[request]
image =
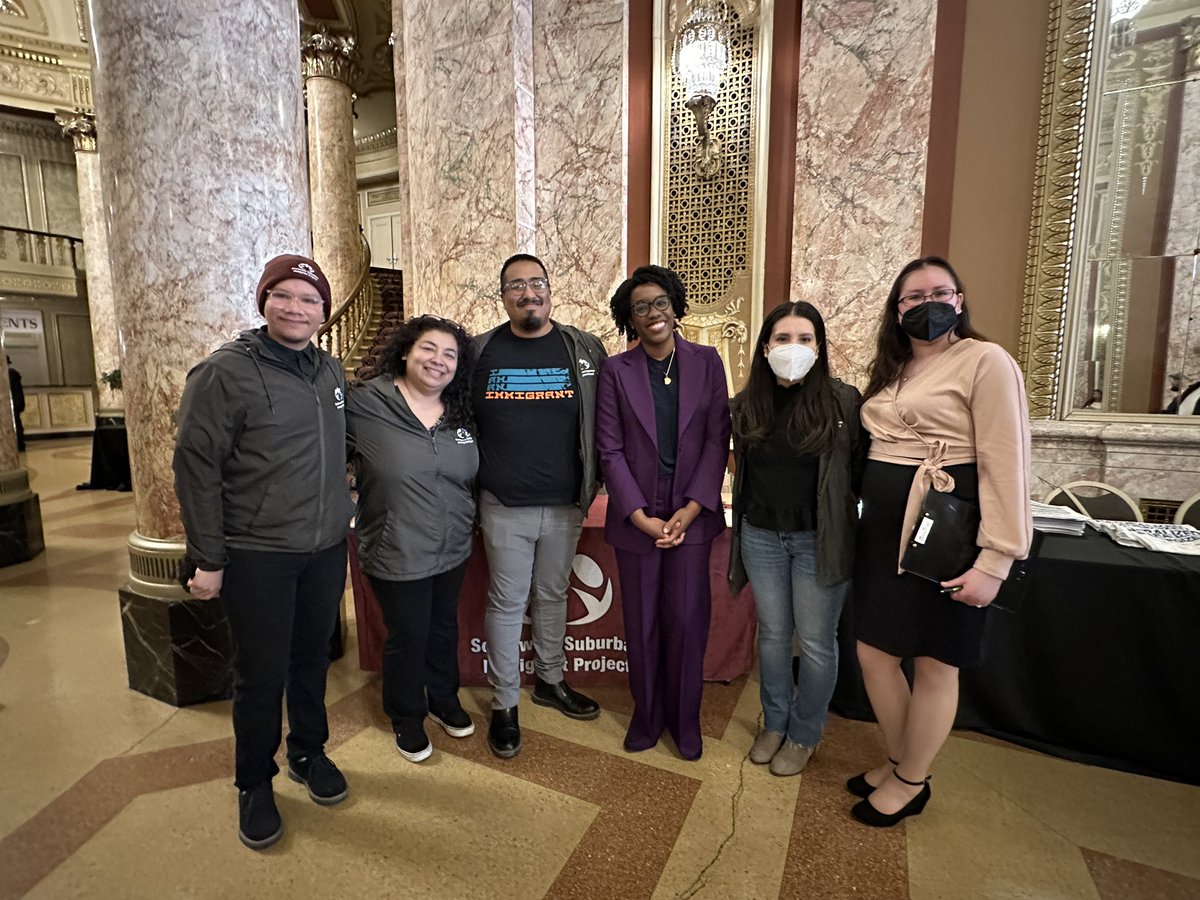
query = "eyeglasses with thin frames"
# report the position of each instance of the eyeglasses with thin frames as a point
(940, 295)
(285, 298)
(518, 285)
(642, 308)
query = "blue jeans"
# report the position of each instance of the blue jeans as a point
(783, 575)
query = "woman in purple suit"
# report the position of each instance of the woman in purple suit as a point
(662, 430)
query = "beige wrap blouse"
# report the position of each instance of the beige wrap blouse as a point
(967, 405)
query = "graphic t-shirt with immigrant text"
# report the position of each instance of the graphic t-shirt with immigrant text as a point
(527, 413)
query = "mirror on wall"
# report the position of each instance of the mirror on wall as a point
(1133, 307)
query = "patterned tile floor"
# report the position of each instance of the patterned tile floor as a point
(106, 793)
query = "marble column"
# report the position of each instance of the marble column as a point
(511, 125)
(20, 509)
(330, 69)
(1183, 330)
(862, 136)
(403, 170)
(201, 143)
(106, 348)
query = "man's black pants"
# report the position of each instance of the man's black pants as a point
(281, 609)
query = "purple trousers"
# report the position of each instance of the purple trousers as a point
(667, 604)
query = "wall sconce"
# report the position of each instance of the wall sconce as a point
(700, 53)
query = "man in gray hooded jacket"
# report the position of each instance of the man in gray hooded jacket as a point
(260, 465)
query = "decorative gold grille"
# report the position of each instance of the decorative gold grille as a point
(708, 222)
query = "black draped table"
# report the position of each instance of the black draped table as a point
(1100, 665)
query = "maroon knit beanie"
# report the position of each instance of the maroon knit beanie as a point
(281, 268)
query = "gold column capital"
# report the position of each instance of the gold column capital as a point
(80, 127)
(328, 55)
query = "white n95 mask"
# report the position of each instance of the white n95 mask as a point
(791, 362)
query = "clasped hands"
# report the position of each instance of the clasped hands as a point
(667, 533)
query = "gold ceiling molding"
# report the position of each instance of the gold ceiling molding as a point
(1055, 200)
(43, 75)
(23, 15)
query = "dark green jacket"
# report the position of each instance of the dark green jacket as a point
(839, 476)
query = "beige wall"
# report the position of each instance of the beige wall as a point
(1003, 60)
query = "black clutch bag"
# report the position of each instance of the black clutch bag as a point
(942, 545)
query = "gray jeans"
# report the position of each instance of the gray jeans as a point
(529, 550)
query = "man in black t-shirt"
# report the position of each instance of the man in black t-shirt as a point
(534, 399)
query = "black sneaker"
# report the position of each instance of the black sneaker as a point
(413, 744)
(455, 723)
(259, 825)
(326, 785)
(568, 702)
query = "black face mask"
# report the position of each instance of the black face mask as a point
(929, 321)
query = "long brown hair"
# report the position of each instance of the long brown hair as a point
(893, 348)
(814, 414)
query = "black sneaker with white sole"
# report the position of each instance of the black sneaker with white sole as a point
(413, 744)
(326, 784)
(259, 824)
(455, 723)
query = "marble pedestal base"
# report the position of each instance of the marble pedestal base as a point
(20, 530)
(177, 651)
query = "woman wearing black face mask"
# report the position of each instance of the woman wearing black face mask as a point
(946, 411)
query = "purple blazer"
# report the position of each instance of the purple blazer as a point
(627, 440)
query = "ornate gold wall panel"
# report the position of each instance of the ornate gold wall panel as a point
(1055, 199)
(707, 226)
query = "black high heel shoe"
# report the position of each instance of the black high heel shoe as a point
(869, 815)
(860, 787)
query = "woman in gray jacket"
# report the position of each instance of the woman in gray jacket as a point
(411, 441)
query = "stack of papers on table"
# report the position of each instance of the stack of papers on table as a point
(1057, 519)
(1164, 538)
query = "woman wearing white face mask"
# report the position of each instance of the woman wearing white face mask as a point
(799, 452)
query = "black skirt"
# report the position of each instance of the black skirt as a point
(905, 615)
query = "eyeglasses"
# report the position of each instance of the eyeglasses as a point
(642, 308)
(941, 295)
(518, 285)
(284, 298)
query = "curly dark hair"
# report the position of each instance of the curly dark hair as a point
(893, 348)
(456, 396)
(621, 302)
(815, 414)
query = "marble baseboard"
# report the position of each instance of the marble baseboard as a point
(177, 651)
(21, 530)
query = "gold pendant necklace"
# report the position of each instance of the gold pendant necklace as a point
(667, 374)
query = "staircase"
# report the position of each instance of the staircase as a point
(385, 319)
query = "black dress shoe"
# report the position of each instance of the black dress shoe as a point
(869, 815)
(504, 734)
(566, 701)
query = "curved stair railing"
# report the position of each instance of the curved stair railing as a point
(342, 335)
